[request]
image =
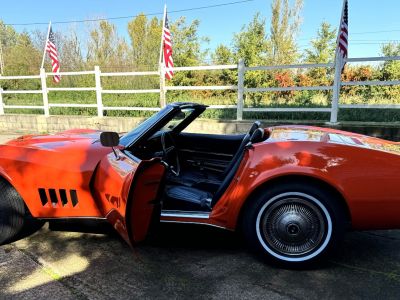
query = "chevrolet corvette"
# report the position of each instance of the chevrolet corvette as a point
(292, 191)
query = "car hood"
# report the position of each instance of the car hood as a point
(333, 136)
(67, 151)
(60, 141)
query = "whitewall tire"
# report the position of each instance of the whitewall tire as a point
(294, 225)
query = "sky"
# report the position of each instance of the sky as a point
(371, 22)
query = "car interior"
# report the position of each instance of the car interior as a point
(200, 166)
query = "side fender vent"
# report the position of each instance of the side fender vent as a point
(74, 197)
(63, 196)
(43, 196)
(55, 198)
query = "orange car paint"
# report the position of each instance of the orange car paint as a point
(128, 209)
(65, 161)
(364, 170)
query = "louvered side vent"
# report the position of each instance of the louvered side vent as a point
(62, 195)
(43, 196)
(74, 197)
(53, 197)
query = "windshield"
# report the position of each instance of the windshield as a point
(133, 135)
(178, 118)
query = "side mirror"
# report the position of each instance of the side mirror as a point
(109, 139)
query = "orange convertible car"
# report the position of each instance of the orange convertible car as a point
(292, 190)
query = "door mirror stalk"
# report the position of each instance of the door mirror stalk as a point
(110, 139)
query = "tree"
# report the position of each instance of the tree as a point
(145, 36)
(251, 43)
(222, 55)
(70, 50)
(187, 44)
(322, 51)
(323, 46)
(391, 69)
(105, 46)
(8, 35)
(285, 23)
(8, 39)
(22, 58)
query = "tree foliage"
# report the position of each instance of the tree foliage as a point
(251, 43)
(105, 47)
(323, 46)
(144, 36)
(285, 24)
(258, 43)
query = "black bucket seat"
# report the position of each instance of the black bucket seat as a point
(196, 177)
(186, 197)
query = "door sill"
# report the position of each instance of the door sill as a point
(185, 214)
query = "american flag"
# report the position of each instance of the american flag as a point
(343, 35)
(52, 50)
(168, 61)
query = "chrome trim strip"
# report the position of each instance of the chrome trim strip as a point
(185, 214)
(131, 156)
(195, 223)
(73, 218)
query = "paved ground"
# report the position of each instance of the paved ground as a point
(188, 261)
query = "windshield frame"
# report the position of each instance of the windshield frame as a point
(157, 121)
(138, 132)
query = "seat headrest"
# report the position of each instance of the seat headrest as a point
(255, 126)
(257, 136)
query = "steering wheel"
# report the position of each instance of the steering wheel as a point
(169, 151)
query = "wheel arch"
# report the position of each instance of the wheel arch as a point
(5, 178)
(310, 180)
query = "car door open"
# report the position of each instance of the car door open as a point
(127, 193)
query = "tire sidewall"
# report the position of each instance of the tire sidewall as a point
(12, 213)
(325, 202)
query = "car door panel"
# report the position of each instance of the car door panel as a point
(121, 187)
(145, 196)
(212, 151)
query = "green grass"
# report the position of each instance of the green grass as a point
(298, 99)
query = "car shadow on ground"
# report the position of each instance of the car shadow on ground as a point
(183, 261)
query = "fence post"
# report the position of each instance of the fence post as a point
(240, 86)
(163, 101)
(1, 102)
(336, 90)
(44, 92)
(99, 99)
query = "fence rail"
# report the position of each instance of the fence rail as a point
(240, 88)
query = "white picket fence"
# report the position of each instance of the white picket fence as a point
(240, 88)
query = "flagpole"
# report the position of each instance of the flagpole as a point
(45, 44)
(162, 41)
(338, 73)
(339, 29)
(1, 58)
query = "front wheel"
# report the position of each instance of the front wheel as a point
(294, 225)
(15, 219)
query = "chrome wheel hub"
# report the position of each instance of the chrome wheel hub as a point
(293, 226)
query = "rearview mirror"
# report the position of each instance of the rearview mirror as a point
(109, 139)
(180, 116)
